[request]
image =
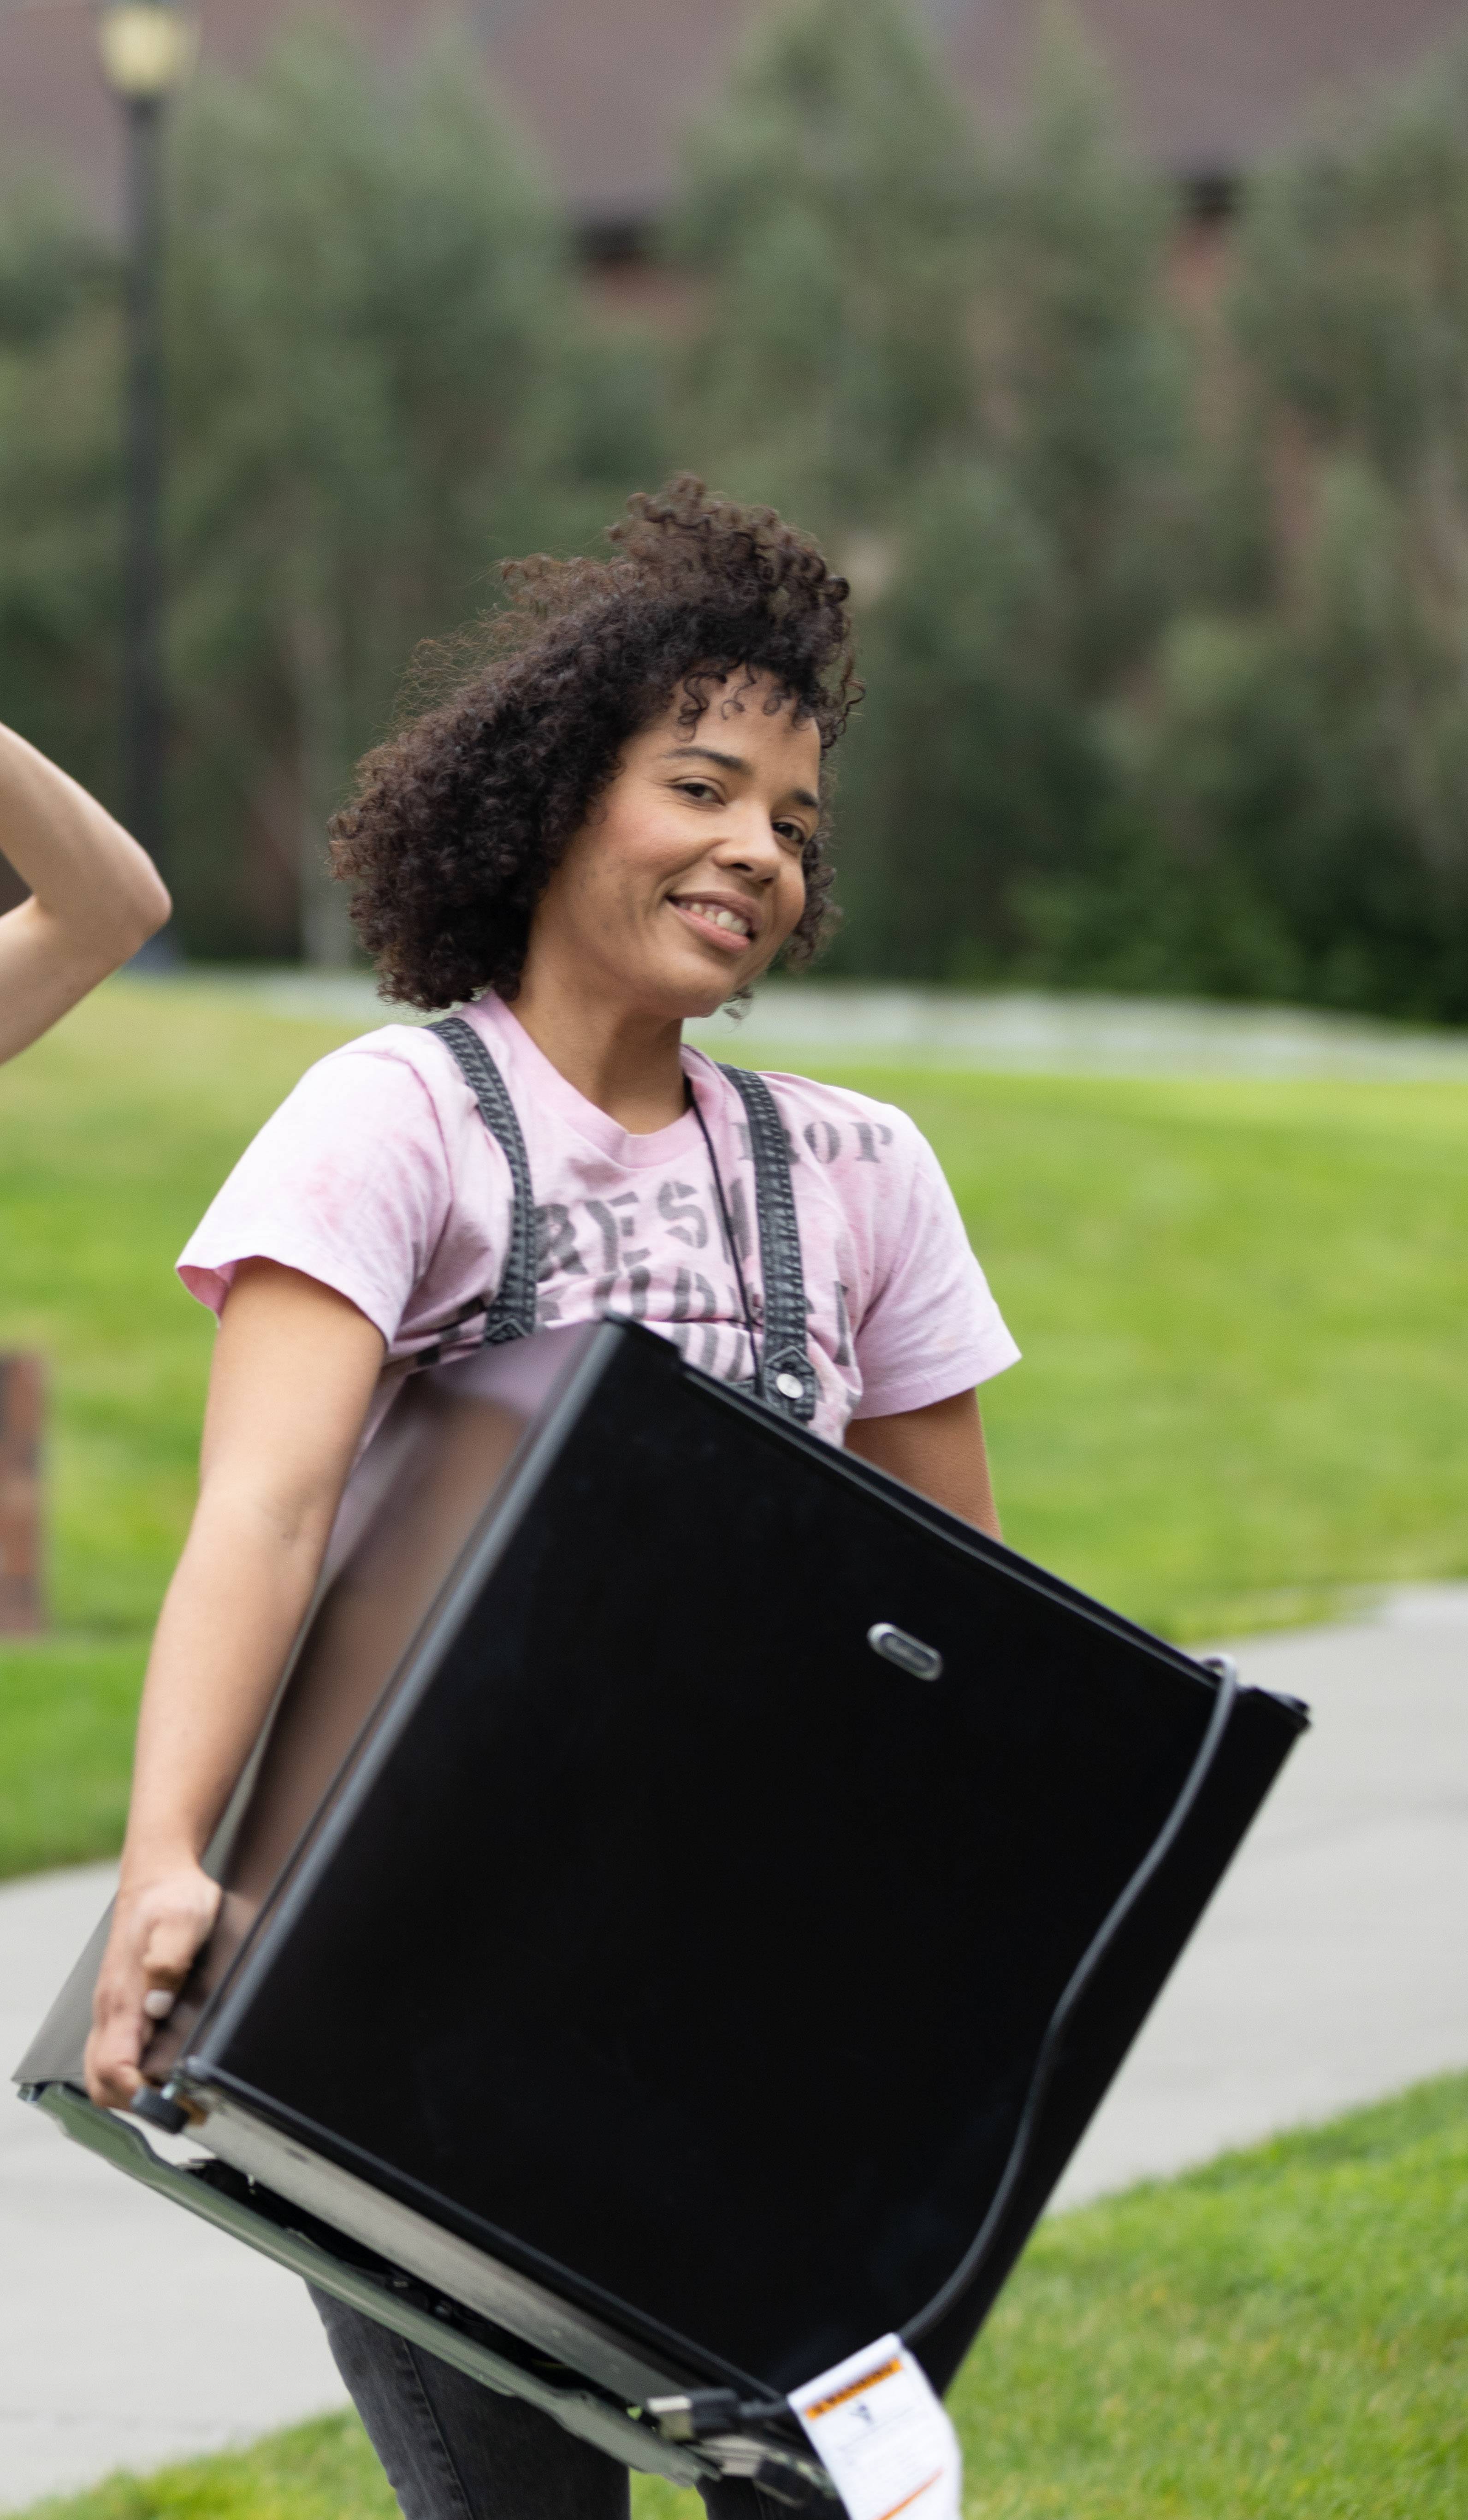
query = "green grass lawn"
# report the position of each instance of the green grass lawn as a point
(1282, 2333)
(1242, 1307)
(113, 1132)
(1244, 1312)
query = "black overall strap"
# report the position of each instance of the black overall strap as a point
(785, 1379)
(510, 1313)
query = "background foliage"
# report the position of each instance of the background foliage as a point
(1210, 1429)
(1164, 605)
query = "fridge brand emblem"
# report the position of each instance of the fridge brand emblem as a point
(909, 1653)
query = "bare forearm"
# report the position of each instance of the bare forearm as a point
(293, 1374)
(228, 1624)
(95, 896)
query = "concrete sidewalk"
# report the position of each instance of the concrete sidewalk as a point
(1332, 1969)
(130, 2333)
(1070, 1032)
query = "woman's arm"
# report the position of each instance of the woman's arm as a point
(95, 896)
(293, 1374)
(939, 1451)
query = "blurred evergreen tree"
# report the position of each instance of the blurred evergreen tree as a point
(1084, 365)
(1167, 653)
(831, 206)
(381, 378)
(380, 381)
(60, 512)
(1352, 311)
(1298, 821)
(1220, 746)
(974, 767)
(1033, 573)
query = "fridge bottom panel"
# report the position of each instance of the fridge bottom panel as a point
(409, 2239)
(264, 2224)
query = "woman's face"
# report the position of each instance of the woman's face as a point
(687, 879)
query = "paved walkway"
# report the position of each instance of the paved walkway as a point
(130, 2333)
(1071, 1033)
(1332, 1969)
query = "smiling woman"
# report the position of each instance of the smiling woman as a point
(459, 820)
(612, 823)
(679, 888)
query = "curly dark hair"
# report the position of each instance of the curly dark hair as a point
(458, 820)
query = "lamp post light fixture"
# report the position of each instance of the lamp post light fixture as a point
(148, 50)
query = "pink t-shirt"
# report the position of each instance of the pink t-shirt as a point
(377, 1175)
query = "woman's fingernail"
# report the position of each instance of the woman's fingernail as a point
(157, 2004)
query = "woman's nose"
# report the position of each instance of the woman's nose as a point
(751, 843)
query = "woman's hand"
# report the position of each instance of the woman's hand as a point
(158, 1928)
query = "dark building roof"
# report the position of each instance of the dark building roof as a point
(608, 87)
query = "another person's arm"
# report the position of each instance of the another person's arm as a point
(293, 1373)
(939, 1451)
(95, 896)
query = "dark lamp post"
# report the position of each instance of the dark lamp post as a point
(148, 50)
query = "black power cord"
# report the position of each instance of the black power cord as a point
(1080, 1978)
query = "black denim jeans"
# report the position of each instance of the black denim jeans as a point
(454, 2450)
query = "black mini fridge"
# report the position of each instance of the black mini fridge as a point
(688, 1902)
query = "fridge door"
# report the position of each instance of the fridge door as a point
(676, 1940)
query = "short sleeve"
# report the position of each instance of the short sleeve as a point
(348, 1182)
(932, 1328)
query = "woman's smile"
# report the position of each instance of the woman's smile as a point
(720, 918)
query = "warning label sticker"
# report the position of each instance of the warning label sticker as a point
(880, 2429)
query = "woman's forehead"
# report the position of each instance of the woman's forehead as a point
(741, 711)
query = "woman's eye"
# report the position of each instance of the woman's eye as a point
(792, 833)
(698, 789)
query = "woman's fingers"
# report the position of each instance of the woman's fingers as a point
(157, 1935)
(113, 2047)
(174, 1932)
